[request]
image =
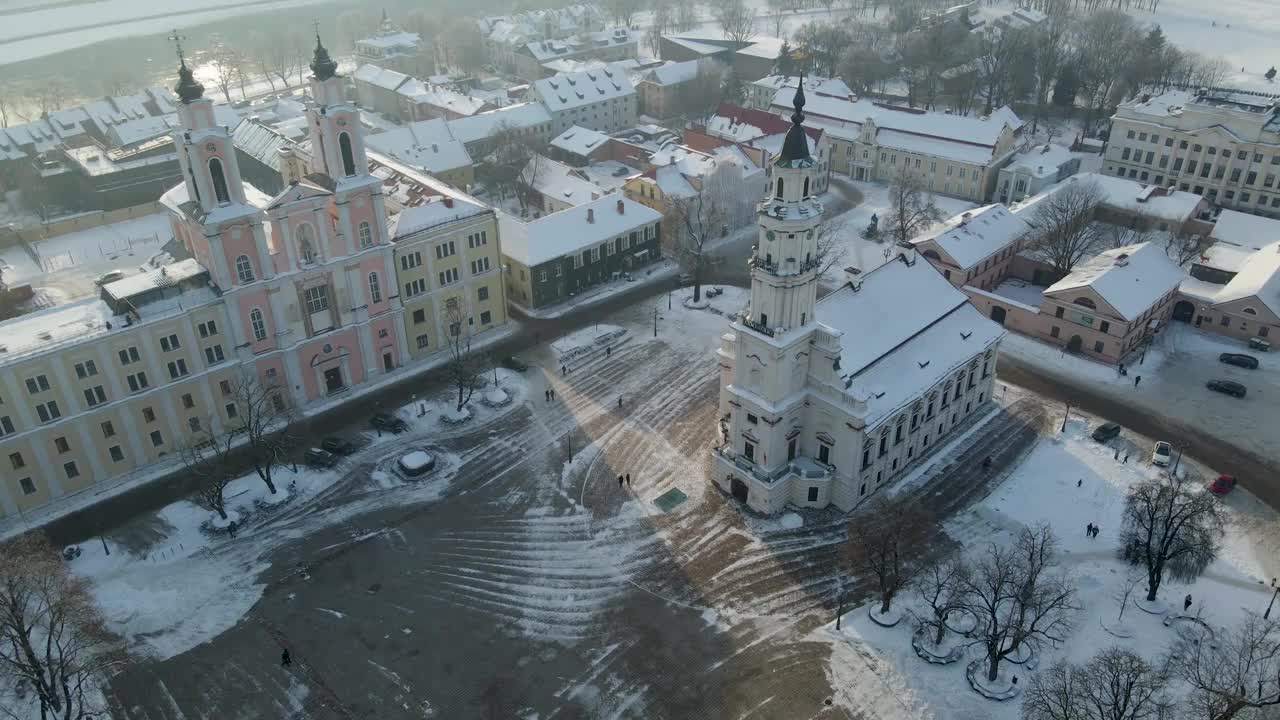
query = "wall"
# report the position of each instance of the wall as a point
(83, 221)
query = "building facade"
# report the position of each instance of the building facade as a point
(395, 49)
(822, 403)
(603, 100)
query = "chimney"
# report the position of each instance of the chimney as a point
(591, 215)
(621, 210)
(448, 201)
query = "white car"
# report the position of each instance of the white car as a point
(1162, 454)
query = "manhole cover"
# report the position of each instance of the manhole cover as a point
(828, 702)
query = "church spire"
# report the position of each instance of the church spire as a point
(322, 65)
(795, 148)
(187, 88)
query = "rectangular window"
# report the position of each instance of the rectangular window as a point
(15, 459)
(95, 395)
(116, 453)
(1225, 321)
(481, 266)
(208, 328)
(188, 402)
(444, 250)
(752, 419)
(448, 277)
(194, 424)
(1098, 346)
(482, 294)
(177, 369)
(1058, 312)
(1053, 331)
(169, 343)
(37, 384)
(48, 412)
(595, 254)
(156, 438)
(108, 430)
(61, 445)
(422, 341)
(410, 260)
(813, 491)
(1124, 154)
(28, 487)
(316, 298)
(213, 354)
(148, 415)
(486, 317)
(71, 470)
(477, 239)
(6, 426)
(1105, 326)
(86, 369)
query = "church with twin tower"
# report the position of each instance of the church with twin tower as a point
(823, 402)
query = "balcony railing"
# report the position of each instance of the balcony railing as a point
(746, 321)
(803, 467)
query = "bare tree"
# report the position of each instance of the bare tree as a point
(697, 97)
(6, 101)
(699, 217)
(52, 639)
(1170, 527)
(662, 22)
(1182, 247)
(207, 458)
(777, 18)
(1234, 675)
(1048, 52)
(465, 368)
(911, 209)
(1116, 236)
(1017, 597)
(227, 64)
(624, 11)
(940, 587)
(278, 56)
(686, 16)
(1115, 684)
(1063, 232)
(265, 417)
(507, 164)
(888, 541)
(831, 249)
(736, 20)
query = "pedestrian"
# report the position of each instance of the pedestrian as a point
(553, 394)
(1137, 379)
(619, 402)
(231, 528)
(608, 351)
(285, 659)
(986, 463)
(1096, 530)
(546, 395)
(1116, 455)
(1121, 369)
(1088, 530)
(1080, 482)
(1186, 603)
(619, 481)
(628, 479)
(1015, 680)
(563, 371)
(1126, 459)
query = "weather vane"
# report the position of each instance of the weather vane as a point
(177, 43)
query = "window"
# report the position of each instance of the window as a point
(306, 238)
(116, 453)
(348, 156)
(410, 260)
(48, 412)
(169, 343)
(71, 470)
(1130, 134)
(482, 266)
(1098, 346)
(366, 235)
(61, 445)
(213, 354)
(455, 328)
(422, 341)
(194, 424)
(95, 395)
(86, 369)
(316, 298)
(1225, 321)
(419, 316)
(752, 419)
(595, 254)
(1213, 150)
(219, 181)
(1054, 331)
(188, 402)
(445, 249)
(375, 289)
(244, 269)
(37, 384)
(813, 491)
(415, 288)
(482, 294)
(486, 317)
(6, 425)
(148, 415)
(137, 381)
(177, 369)
(448, 277)
(258, 324)
(1124, 155)
(231, 409)
(15, 459)
(1059, 312)
(478, 239)
(156, 438)
(108, 430)
(1105, 326)
(28, 487)
(129, 356)
(208, 328)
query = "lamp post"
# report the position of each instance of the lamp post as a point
(1267, 615)
(655, 321)
(1064, 418)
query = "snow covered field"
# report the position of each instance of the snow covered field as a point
(1044, 490)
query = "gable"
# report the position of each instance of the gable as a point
(1101, 307)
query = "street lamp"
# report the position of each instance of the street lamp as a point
(1267, 615)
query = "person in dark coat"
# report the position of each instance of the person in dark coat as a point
(1137, 379)
(619, 481)
(286, 660)
(986, 463)
(231, 528)
(628, 479)
(1088, 530)
(1186, 603)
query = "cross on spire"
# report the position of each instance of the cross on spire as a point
(316, 24)
(177, 44)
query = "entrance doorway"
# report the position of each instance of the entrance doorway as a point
(997, 314)
(387, 363)
(860, 173)
(791, 449)
(740, 490)
(1183, 311)
(1075, 343)
(333, 380)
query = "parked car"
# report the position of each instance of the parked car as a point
(338, 446)
(1162, 454)
(511, 362)
(1248, 362)
(388, 422)
(415, 463)
(1226, 387)
(715, 291)
(109, 277)
(1106, 432)
(1222, 485)
(315, 457)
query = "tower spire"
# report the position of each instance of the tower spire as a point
(795, 148)
(187, 88)
(322, 65)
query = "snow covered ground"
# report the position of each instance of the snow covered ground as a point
(1044, 490)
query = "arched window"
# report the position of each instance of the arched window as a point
(348, 157)
(259, 326)
(219, 181)
(778, 192)
(375, 290)
(306, 244)
(1249, 311)
(366, 235)
(244, 269)
(806, 187)
(1085, 302)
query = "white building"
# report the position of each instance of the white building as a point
(823, 402)
(393, 48)
(602, 100)
(760, 93)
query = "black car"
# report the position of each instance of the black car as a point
(511, 362)
(1106, 432)
(315, 457)
(388, 422)
(338, 446)
(1248, 362)
(1226, 387)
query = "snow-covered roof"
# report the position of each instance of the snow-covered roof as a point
(433, 211)
(69, 122)
(580, 141)
(164, 276)
(609, 175)
(1130, 279)
(1225, 256)
(55, 327)
(570, 90)
(482, 125)
(259, 142)
(391, 40)
(1132, 196)
(1260, 278)
(37, 134)
(934, 330)
(132, 132)
(558, 181)
(1245, 230)
(1199, 289)
(763, 47)
(9, 147)
(381, 77)
(178, 200)
(939, 147)
(673, 182)
(701, 48)
(545, 50)
(425, 144)
(975, 235)
(673, 73)
(441, 97)
(1041, 161)
(568, 231)
(812, 84)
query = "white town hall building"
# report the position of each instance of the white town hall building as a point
(824, 402)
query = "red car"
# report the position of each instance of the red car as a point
(1222, 485)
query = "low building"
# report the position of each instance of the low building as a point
(602, 100)
(608, 45)
(423, 101)
(258, 150)
(554, 186)
(1247, 306)
(507, 35)
(673, 88)
(395, 49)
(580, 146)
(476, 132)
(377, 89)
(1032, 171)
(1134, 205)
(760, 93)
(559, 255)
(114, 179)
(427, 146)
(975, 248)
(751, 59)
